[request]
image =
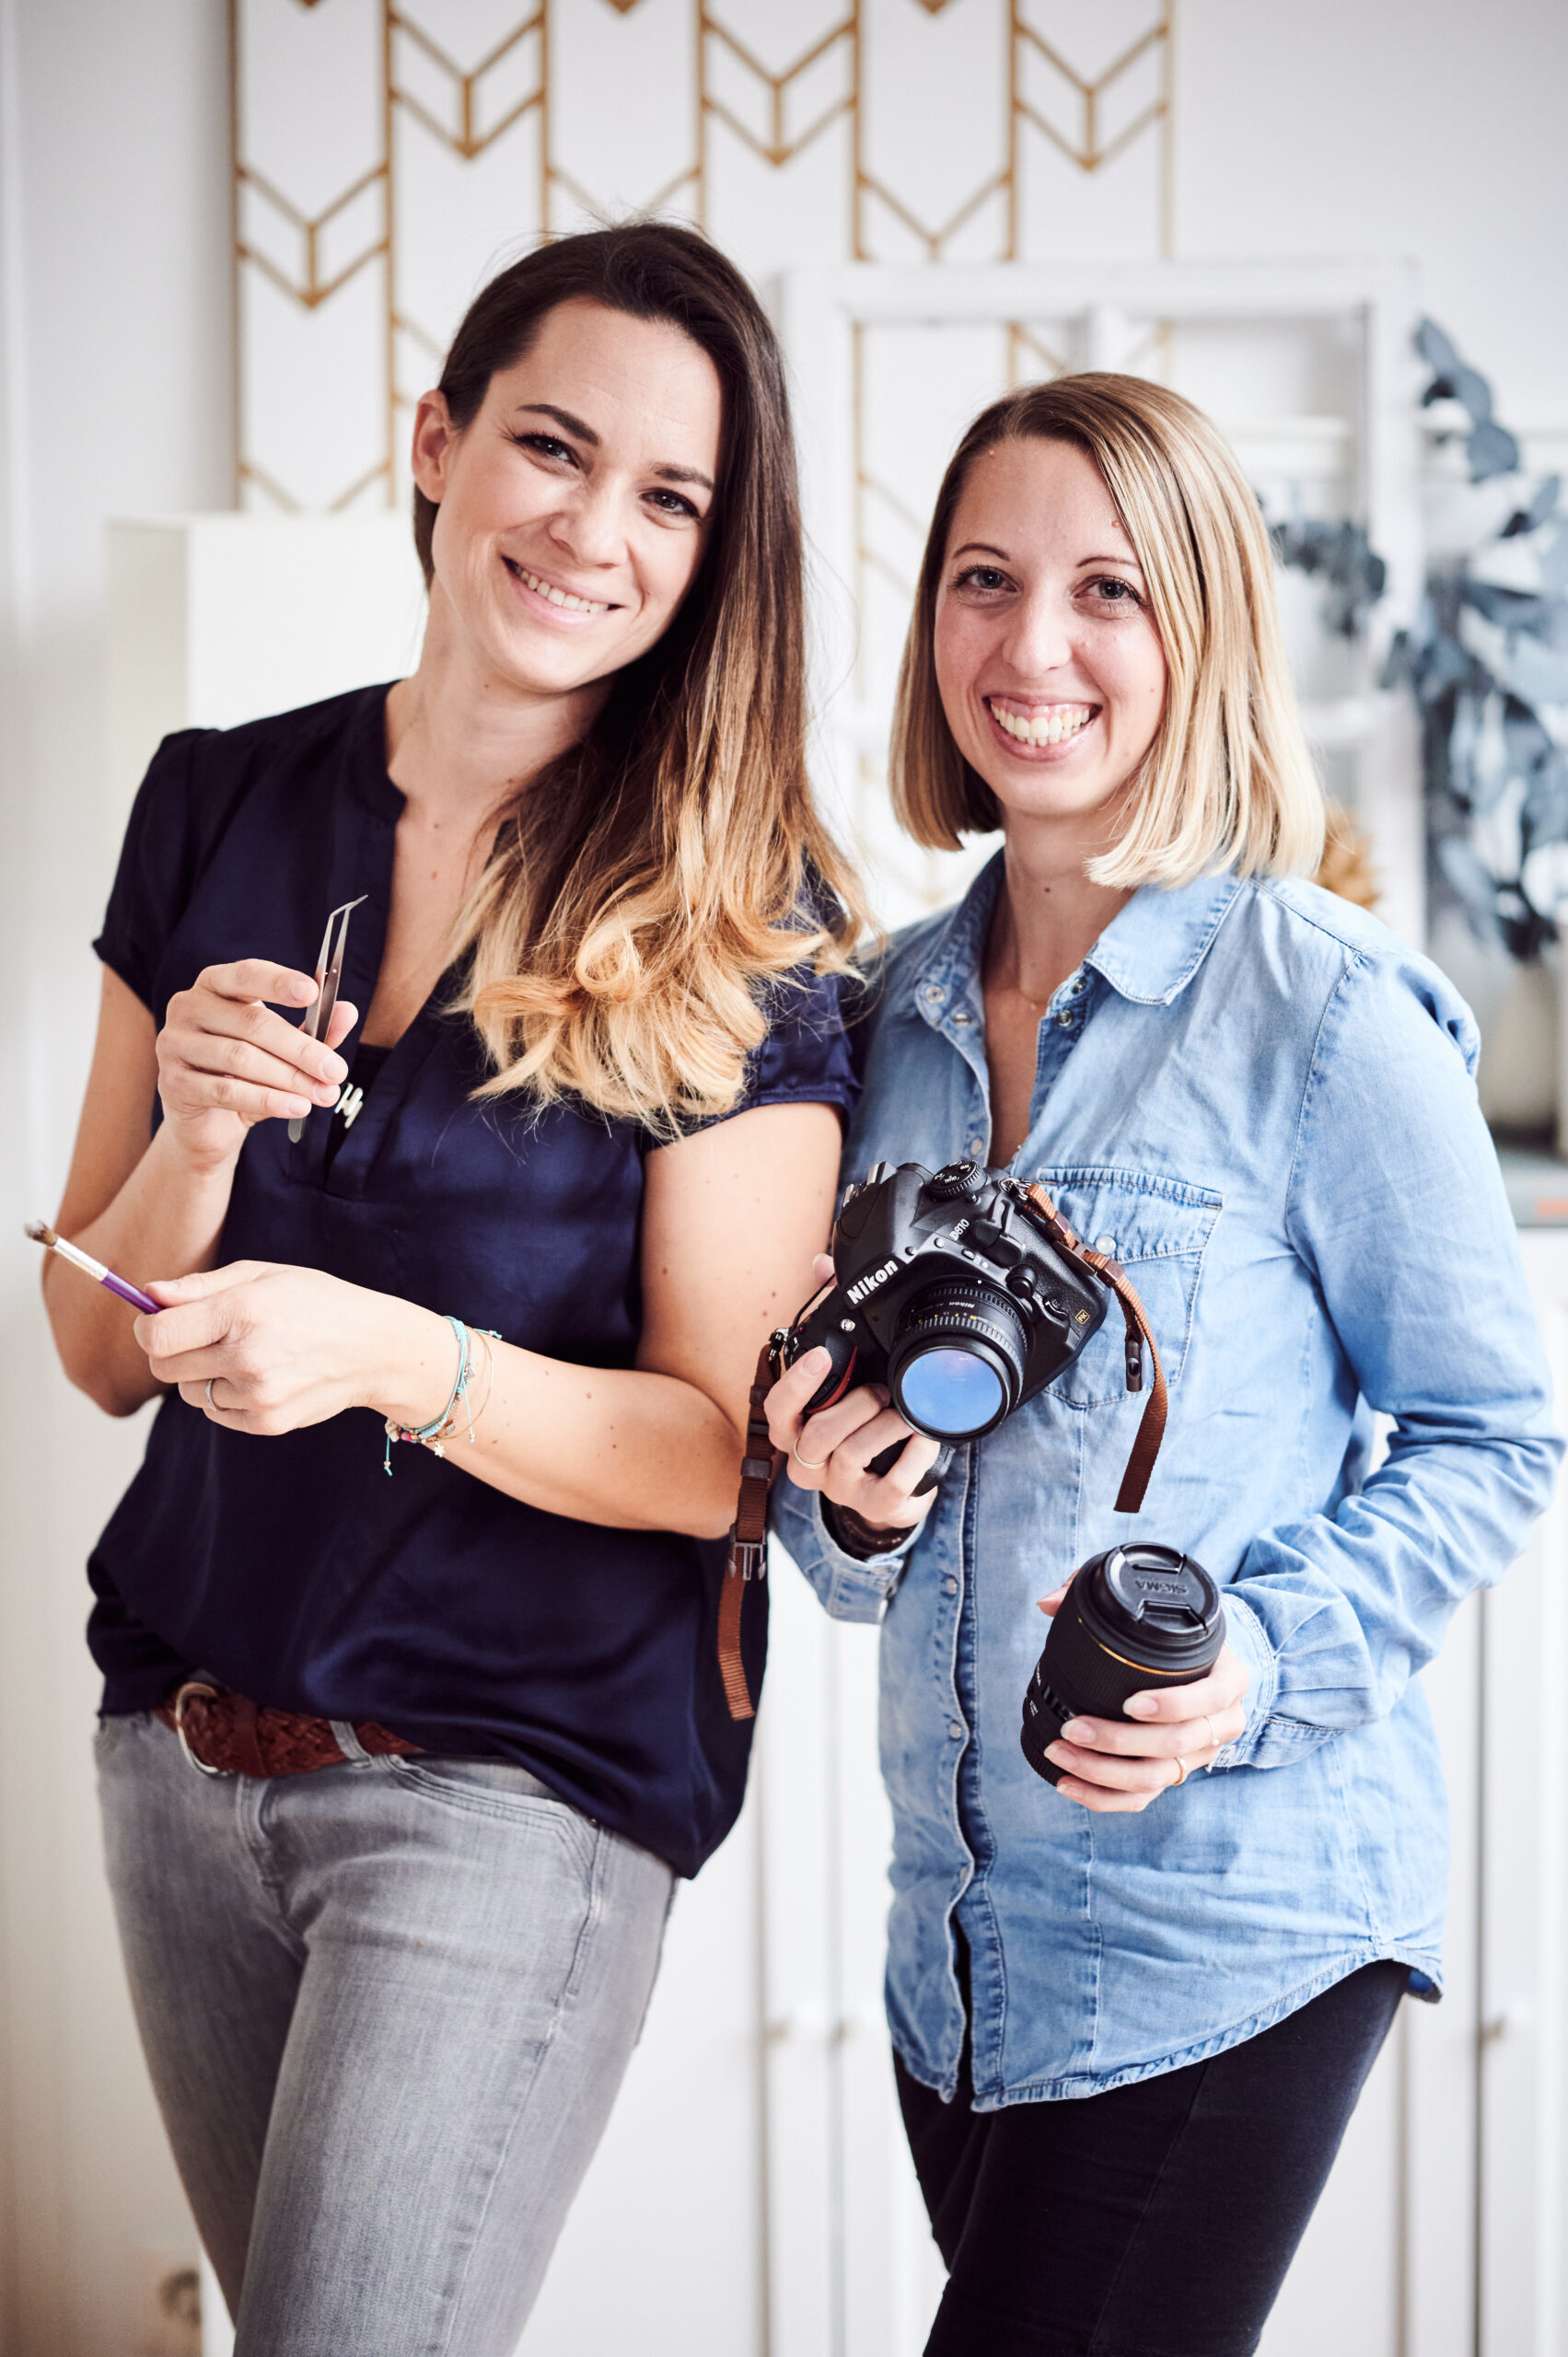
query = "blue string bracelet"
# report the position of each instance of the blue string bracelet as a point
(434, 1435)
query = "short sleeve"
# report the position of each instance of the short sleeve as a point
(159, 860)
(806, 1059)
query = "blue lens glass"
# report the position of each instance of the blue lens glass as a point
(951, 1392)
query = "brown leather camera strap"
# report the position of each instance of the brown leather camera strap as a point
(1140, 1334)
(747, 1557)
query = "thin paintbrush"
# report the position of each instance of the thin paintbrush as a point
(91, 1268)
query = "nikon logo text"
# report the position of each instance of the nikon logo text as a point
(869, 1284)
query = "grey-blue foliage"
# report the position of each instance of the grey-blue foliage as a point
(1495, 755)
(1343, 559)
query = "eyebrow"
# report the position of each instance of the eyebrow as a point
(988, 548)
(586, 434)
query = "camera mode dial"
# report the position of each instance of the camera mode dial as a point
(956, 1179)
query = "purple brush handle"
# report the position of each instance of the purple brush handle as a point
(129, 1292)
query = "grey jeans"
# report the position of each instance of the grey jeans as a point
(386, 2008)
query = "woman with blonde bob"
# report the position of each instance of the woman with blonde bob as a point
(1131, 2010)
(398, 1773)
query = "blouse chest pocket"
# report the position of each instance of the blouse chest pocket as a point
(1158, 1230)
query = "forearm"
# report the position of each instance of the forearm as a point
(1344, 1610)
(165, 1222)
(622, 1446)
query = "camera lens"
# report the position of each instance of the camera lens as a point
(1137, 1617)
(956, 1365)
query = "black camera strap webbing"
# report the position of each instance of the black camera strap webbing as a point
(1151, 1430)
(747, 1557)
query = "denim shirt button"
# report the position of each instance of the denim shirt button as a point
(955, 1729)
(949, 1585)
(962, 1015)
(977, 1145)
(934, 995)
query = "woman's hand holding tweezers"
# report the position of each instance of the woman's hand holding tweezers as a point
(225, 1060)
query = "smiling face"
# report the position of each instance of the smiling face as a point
(573, 510)
(1048, 662)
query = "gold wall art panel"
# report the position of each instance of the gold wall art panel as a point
(389, 154)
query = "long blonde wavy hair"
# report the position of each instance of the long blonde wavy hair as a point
(651, 886)
(1228, 781)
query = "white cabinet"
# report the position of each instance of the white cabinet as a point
(1522, 1946)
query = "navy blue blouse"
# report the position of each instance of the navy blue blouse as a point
(291, 1567)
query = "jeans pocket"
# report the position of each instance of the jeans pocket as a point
(112, 1730)
(498, 1790)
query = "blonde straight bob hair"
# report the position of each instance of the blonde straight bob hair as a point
(1228, 781)
(650, 888)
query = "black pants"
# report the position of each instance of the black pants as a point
(1153, 2220)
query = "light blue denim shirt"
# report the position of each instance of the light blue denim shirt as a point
(1264, 1104)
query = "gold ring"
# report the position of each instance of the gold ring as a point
(1213, 1739)
(1180, 1774)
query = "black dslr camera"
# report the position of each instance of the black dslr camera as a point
(950, 1291)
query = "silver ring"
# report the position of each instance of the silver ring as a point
(812, 1464)
(211, 1401)
(1213, 1739)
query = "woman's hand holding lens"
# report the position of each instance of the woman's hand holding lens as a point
(225, 1060)
(1114, 1767)
(832, 1450)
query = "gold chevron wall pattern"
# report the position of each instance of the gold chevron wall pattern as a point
(388, 154)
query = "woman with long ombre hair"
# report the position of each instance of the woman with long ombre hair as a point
(1132, 2008)
(424, 1677)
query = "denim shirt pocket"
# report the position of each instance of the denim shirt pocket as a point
(1158, 1228)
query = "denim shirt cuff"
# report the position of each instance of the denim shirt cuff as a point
(850, 1587)
(1249, 1640)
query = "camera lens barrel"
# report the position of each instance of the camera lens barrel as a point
(956, 1365)
(1134, 1618)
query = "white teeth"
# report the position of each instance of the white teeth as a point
(561, 596)
(1050, 727)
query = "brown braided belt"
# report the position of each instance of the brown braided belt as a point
(227, 1735)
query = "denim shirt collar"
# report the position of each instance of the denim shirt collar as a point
(1148, 953)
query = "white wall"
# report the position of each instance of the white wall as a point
(114, 394)
(1429, 127)
(1433, 128)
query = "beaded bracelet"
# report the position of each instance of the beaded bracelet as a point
(433, 1435)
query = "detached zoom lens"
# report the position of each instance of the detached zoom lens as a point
(956, 1365)
(1137, 1617)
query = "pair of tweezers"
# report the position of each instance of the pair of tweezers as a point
(328, 974)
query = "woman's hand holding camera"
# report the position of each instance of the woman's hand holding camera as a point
(1113, 1767)
(225, 1060)
(832, 1451)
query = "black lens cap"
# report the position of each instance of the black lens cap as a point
(1160, 1588)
